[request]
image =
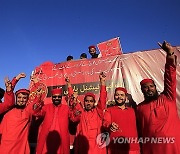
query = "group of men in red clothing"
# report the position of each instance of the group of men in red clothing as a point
(151, 128)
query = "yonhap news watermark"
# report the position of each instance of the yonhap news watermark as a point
(103, 140)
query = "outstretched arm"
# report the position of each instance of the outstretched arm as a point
(73, 102)
(16, 79)
(103, 94)
(170, 71)
(9, 99)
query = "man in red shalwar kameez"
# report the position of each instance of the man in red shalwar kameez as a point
(120, 121)
(54, 137)
(16, 122)
(89, 122)
(8, 97)
(157, 115)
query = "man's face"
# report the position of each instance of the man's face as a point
(149, 91)
(92, 51)
(89, 103)
(21, 99)
(120, 97)
(56, 99)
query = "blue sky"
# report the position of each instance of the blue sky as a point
(35, 31)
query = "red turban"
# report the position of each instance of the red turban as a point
(56, 91)
(90, 94)
(22, 91)
(146, 81)
(121, 89)
(92, 46)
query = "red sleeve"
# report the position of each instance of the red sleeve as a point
(9, 102)
(70, 91)
(14, 82)
(170, 79)
(30, 107)
(107, 119)
(102, 100)
(74, 110)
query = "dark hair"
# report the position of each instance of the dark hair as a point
(2, 91)
(83, 55)
(69, 58)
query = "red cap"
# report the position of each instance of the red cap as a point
(90, 94)
(92, 46)
(121, 89)
(146, 81)
(56, 91)
(22, 91)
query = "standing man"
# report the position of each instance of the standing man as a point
(157, 115)
(120, 122)
(92, 51)
(89, 121)
(16, 122)
(54, 137)
(8, 97)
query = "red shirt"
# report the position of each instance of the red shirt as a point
(158, 119)
(126, 120)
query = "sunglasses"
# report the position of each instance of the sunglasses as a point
(56, 96)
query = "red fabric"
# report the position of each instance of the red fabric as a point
(44, 137)
(56, 91)
(159, 118)
(9, 101)
(15, 129)
(92, 46)
(90, 94)
(146, 81)
(121, 89)
(54, 133)
(110, 47)
(22, 91)
(89, 126)
(126, 121)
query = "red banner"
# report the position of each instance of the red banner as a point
(110, 48)
(126, 70)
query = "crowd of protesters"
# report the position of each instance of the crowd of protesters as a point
(100, 129)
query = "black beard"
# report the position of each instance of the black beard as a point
(56, 103)
(120, 104)
(20, 107)
(150, 98)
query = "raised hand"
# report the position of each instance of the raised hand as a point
(8, 84)
(114, 127)
(20, 75)
(167, 47)
(102, 78)
(34, 78)
(67, 79)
